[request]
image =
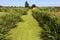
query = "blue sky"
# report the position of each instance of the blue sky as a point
(37, 2)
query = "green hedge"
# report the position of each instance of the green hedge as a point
(7, 22)
(49, 24)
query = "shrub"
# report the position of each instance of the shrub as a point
(49, 24)
(8, 22)
(0, 10)
(33, 6)
(24, 12)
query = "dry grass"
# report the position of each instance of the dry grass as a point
(57, 14)
(3, 13)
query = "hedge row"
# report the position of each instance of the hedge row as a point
(9, 21)
(49, 24)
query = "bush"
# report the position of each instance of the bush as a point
(8, 22)
(2, 9)
(24, 11)
(48, 9)
(49, 24)
(33, 6)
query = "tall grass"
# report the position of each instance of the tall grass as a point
(9, 21)
(49, 25)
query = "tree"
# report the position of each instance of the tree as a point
(26, 4)
(1, 6)
(33, 5)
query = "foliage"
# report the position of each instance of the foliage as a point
(33, 5)
(24, 11)
(26, 4)
(49, 24)
(1, 6)
(9, 21)
(2, 9)
(48, 9)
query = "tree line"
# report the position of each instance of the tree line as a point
(26, 5)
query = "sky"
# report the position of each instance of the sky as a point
(37, 2)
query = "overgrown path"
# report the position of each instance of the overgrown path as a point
(27, 30)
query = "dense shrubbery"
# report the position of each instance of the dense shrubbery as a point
(48, 9)
(2, 9)
(20, 11)
(24, 11)
(9, 21)
(51, 28)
